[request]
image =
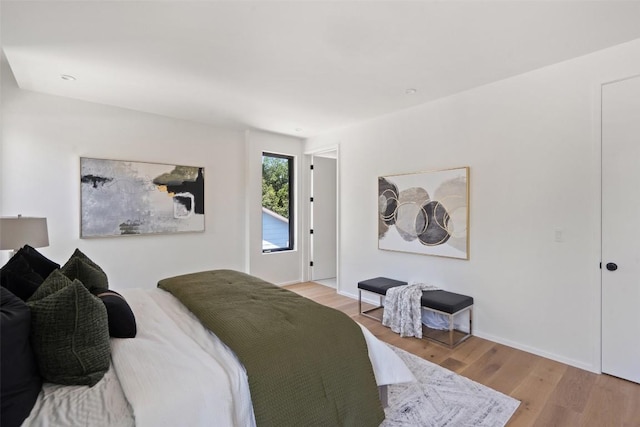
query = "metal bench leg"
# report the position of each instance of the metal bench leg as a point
(451, 316)
(451, 330)
(365, 313)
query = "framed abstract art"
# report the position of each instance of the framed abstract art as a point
(425, 213)
(120, 198)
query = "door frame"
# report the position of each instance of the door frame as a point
(308, 158)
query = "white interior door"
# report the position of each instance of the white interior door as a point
(621, 229)
(324, 218)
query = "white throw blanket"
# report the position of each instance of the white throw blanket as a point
(402, 309)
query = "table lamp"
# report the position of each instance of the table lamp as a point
(17, 231)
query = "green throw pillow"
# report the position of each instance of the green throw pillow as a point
(78, 254)
(80, 267)
(69, 332)
(55, 282)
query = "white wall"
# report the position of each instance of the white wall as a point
(276, 267)
(43, 138)
(532, 145)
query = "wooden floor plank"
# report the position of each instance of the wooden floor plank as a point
(453, 365)
(534, 391)
(574, 389)
(553, 415)
(632, 413)
(487, 367)
(551, 393)
(511, 373)
(608, 403)
(473, 349)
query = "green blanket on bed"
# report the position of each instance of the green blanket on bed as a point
(307, 364)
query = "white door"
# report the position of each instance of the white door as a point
(621, 229)
(324, 218)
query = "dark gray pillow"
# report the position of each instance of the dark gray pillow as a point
(21, 382)
(80, 267)
(122, 322)
(40, 263)
(69, 332)
(20, 278)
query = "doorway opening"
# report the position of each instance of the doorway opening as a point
(323, 218)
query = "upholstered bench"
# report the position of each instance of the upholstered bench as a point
(446, 303)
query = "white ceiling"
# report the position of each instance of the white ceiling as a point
(286, 66)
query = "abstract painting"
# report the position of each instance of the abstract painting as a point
(121, 198)
(425, 213)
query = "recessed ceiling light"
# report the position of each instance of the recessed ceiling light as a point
(67, 77)
(410, 91)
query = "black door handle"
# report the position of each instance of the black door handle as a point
(612, 266)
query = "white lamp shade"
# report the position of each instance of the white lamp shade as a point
(15, 232)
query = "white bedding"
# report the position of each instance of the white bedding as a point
(103, 405)
(175, 372)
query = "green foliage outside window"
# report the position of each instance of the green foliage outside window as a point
(275, 185)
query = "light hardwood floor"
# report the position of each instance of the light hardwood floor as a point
(551, 393)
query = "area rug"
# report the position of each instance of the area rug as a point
(443, 398)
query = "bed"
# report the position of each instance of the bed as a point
(177, 372)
